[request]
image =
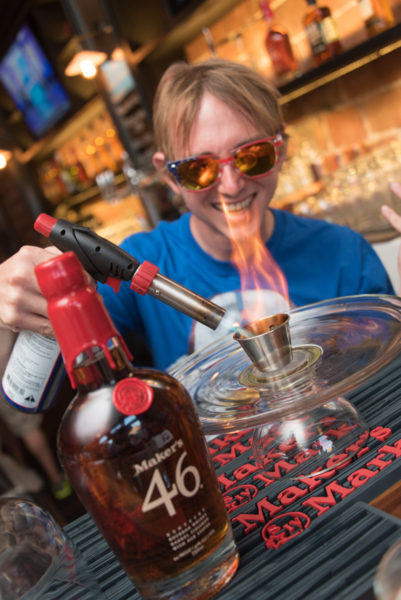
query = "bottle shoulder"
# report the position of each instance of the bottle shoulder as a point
(277, 31)
(316, 14)
(94, 421)
(311, 15)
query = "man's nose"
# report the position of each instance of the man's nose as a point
(230, 180)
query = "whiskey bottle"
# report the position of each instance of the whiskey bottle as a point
(278, 44)
(377, 15)
(132, 446)
(322, 33)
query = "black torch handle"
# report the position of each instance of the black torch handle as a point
(100, 257)
(110, 264)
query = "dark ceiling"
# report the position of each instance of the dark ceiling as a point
(12, 15)
(139, 21)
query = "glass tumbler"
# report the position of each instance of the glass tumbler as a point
(37, 559)
(387, 581)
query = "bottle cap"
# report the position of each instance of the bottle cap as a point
(266, 10)
(75, 309)
(60, 275)
(44, 224)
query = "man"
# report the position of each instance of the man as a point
(220, 138)
(221, 142)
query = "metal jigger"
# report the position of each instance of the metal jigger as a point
(267, 342)
(302, 435)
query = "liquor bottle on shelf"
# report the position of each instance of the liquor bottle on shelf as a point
(51, 183)
(77, 169)
(322, 33)
(68, 179)
(377, 15)
(93, 164)
(132, 446)
(278, 44)
(207, 34)
(64, 190)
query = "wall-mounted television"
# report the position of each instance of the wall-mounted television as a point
(31, 81)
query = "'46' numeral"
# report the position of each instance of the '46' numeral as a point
(187, 483)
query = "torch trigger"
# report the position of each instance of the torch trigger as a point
(114, 283)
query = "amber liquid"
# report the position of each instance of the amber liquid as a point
(279, 49)
(377, 14)
(278, 44)
(147, 480)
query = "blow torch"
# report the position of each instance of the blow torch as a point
(110, 264)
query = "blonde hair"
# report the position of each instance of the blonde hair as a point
(183, 85)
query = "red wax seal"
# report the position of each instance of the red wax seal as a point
(132, 396)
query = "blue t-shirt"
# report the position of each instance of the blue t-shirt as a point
(319, 261)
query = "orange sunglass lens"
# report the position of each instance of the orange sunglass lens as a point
(256, 159)
(198, 173)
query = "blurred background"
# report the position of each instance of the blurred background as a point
(77, 80)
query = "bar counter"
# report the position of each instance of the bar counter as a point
(318, 540)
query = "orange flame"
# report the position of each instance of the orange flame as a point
(256, 266)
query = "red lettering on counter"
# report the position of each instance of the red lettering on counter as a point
(323, 503)
(250, 522)
(380, 433)
(283, 528)
(236, 450)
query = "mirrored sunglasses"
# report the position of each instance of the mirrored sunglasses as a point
(254, 159)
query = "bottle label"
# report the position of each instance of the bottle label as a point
(31, 369)
(366, 9)
(316, 38)
(186, 482)
(329, 30)
(185, 538)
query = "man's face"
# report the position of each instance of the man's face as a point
(235, 205)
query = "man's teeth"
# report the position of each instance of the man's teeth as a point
(234, 207)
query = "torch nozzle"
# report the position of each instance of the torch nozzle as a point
(186, 301)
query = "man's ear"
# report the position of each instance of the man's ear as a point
(159, 162)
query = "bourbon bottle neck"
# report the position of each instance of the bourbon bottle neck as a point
(266, 11)
(94, 369)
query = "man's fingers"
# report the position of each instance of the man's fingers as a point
(396, 188)
(392, 217)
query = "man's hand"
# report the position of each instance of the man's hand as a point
(392, 217)
(22, 305)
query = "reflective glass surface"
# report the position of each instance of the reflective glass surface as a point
(337, 344)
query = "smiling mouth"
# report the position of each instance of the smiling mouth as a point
(234, 207)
